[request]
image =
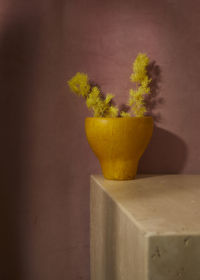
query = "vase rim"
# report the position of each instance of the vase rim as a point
(118, 118)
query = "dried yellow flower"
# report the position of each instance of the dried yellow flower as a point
(140, 76)
(112, 112)
(79, 84)
(125, 114)
(101, 107)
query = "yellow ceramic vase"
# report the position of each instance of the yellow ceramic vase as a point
(119, 143)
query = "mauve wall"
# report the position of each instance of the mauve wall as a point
(45, 159)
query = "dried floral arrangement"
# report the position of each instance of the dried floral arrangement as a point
(102, 106)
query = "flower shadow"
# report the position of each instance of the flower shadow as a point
(152, 100)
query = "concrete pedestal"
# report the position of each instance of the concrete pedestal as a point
(145, 229)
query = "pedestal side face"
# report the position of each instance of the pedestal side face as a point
(173, 257)
(117, 246)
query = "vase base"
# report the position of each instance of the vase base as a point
(119, 170)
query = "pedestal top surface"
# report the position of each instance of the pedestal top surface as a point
(158, 204)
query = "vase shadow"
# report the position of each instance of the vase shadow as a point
(166, 153)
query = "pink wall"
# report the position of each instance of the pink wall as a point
(45, 158)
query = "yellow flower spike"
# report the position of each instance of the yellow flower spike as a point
(140, 77)
(108, 98)
(139, 68)
(93, 97)
(79, 84)
(95, 102)
(132, 92)
(112, 112)
(130, 101)
(125, 114)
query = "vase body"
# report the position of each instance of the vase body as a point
(119, 143)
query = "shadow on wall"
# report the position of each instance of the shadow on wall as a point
(153, 101)
(16, 61)
(166, 153)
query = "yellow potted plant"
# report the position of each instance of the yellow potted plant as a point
(118, 139)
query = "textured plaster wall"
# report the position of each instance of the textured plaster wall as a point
(45, 159)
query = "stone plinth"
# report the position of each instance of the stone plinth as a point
(145, 229)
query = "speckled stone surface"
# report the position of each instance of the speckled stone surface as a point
(145, 229)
